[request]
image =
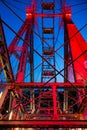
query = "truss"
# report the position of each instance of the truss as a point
(49, 103)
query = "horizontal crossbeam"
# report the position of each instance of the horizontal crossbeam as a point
(44, 124)
(48, 85)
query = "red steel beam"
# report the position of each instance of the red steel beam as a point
(48, 15)
(44, 124)
(55, 102)
(40, 84)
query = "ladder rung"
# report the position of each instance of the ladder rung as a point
(48, 51)
(48, 30)
(48, 73)
(48, 6)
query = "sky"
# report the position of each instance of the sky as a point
(79, 17)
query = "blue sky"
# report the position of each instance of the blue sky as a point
(79, 17)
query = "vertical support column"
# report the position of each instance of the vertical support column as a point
(65, 106)
(55, 102)
(4, 57)
(66, 55)
(66, 46)
(69, 70)
(32, 104)
(3, 98)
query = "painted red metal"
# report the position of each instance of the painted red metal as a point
(25, 28)
(40, 85)
(78, 46)
(16, 39)
(55, 102)
(80, 66)
(29, 13)
(44, 124)
(48, 15)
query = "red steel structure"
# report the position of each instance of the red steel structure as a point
(40, 104)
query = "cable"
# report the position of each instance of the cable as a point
(12, 11)
(58, 32)
(15, 14)
(66, 67)
(79, 11)
(82, 3)
(21, 2)
(54, 51)
(23, 22)
(15, 7)
(58, 72)
(73, 5)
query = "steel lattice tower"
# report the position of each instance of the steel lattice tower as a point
(40, 105)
